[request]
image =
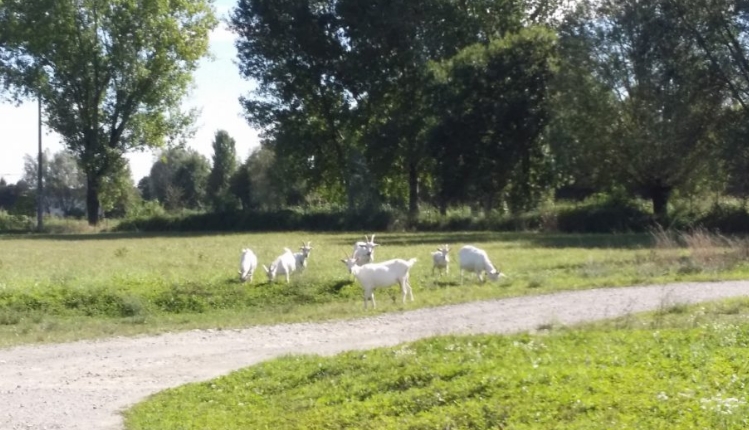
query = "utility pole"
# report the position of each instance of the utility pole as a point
(39, 186)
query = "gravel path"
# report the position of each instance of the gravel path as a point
(84, 385)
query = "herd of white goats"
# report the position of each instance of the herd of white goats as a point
(373, 275)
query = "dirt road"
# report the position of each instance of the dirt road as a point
(85, 385)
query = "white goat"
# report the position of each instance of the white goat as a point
(364, 251)
(283, 265)
(302, 256)
(247, 265)
(441, 260)
(385, 274)
(473, 259)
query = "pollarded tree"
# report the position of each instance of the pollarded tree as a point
(224, 166)
(667, 96)
(111, 73)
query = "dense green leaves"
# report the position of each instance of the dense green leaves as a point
(178, 179)
(492, 104)
(224, 166)
(665, 97)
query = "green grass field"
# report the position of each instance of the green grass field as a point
(64, 287)
(678, 368)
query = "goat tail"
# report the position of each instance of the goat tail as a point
(411, 262)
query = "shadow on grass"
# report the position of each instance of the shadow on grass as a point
(542, 240)
(347, 239)
(445, 284)
(112, 235)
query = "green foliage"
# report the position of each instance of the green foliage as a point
(628, 379)
(726, 219)
(606, 216)
(123, 65)
(262, 182)
(10, 222)
(272, 220)
(667, 98)
(306, 120)
(118, 193)
(492, 104)
(178, 179)
(223, 168)
(11, 193)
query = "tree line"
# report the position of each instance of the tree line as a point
(179, 179)
(498, 104)
(495, 104)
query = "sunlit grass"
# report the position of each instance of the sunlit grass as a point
(677, 368)
(65, 287)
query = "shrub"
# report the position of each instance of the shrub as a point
(607, 216)
(9, 222)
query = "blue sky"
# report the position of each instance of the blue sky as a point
(217, 90)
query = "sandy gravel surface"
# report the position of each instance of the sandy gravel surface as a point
(85, 385)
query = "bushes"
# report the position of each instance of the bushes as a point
(599, 214)
(10, 222)
(281, 220)
(593, 218)
(726, 219)
(608, 216)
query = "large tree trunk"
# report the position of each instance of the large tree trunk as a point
(660, 194)
(413, 190)
(92, 199)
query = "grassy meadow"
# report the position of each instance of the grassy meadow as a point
(678, 368)
(65, 287)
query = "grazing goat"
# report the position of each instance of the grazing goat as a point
(385, 274)
(441, 259)
(247, 265)
(473, 259)
(364, 251)
(283, 265)
(301, 257)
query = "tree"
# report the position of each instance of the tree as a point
(178, 179)
(295, 49)
(118, 192)
(111, 73)
(241, 186)
(583, 109)
(65, 183)
(667, 96)
(720, 29)
(30, 175)
(224, 166)
(392, 44)
(144, 188)
(491, 105)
